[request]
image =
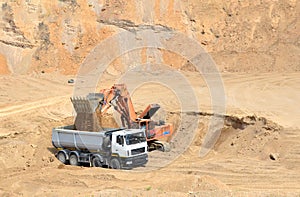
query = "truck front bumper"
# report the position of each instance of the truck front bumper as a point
(134, 161)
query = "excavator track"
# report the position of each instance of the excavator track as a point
(159, 145)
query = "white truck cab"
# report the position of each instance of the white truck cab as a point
(128, 144)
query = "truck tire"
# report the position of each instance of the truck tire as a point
(115, 163)
(96, 162)
(74, 160)
(61, 156)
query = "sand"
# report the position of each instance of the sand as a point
(255, 46)
(239, 164)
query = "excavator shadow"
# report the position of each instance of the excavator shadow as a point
(52, 150)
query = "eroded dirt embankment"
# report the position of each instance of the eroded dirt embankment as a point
(251, 136)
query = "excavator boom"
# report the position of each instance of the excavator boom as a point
(118, 97)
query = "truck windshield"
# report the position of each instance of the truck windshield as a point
(135, 138)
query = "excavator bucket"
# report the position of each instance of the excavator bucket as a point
(149, 111)
(86, 116)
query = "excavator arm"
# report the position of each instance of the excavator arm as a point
(118, 97)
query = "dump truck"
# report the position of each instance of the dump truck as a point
(113, 148)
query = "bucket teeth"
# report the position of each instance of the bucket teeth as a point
(82, 105)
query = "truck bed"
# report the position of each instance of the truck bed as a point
(67, 137)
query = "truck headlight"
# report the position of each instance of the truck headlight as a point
(128, 162)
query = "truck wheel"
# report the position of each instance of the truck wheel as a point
(61, 156)
(115, 163)
(96, 162)
(74, 160)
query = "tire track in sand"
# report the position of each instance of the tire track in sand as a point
(11, 110)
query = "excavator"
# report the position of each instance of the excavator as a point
(91, 108)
